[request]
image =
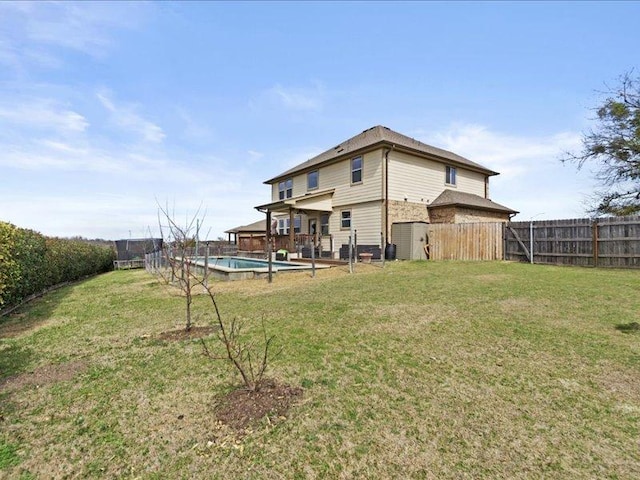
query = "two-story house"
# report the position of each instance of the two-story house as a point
(369, 182)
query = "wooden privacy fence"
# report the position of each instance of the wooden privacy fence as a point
(601, 242)
(465, 241)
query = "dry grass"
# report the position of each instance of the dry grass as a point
(420, 370)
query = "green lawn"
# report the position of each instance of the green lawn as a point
(419, 370)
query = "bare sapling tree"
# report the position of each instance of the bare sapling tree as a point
(179, 243)
(250, 358)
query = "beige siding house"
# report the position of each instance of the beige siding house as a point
(369, 182)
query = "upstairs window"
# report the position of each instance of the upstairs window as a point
(450, 175)
(312, 180)
(285, 189)
(356, 170)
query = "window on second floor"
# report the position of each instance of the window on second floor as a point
(285, 189)
(356, 170)
(312, 180)
(450, 175)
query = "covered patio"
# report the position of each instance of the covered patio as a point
(311, 207)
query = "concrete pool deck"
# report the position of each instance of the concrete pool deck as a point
(224, 273)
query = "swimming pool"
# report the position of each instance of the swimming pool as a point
(241, 268)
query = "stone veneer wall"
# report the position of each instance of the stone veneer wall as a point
(465, 215)
(406, 212)
(443, 215)
(469, 215)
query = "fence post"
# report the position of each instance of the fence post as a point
(313, 256)
(594, 228)
(504, 241)
(206, 266)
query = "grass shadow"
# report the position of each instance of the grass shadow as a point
(14, 359)
(33, 313)
(632, 327)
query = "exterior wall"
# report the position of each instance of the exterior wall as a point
(366, 220)
(400, 212)
(469, 182)
(455, 214)
(421, 180)
(469, 215)
(338, 176)
(443, 215)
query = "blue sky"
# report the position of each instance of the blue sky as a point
(107, 108)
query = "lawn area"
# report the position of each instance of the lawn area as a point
(418, 370)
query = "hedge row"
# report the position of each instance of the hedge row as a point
(31, 262)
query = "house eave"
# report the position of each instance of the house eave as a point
(474, 207)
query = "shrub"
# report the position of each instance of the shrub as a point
(31, 262)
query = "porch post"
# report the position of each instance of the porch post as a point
(292, 235)
(268, 245)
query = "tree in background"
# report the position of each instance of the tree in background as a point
(614, 145)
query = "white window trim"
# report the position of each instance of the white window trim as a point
(284, 190)
(317, 172)
(342, 227)
(447, 169)
(351, 170)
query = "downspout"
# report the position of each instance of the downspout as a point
(386, 195)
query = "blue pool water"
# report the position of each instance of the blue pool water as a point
(241, 268)
(247, 263)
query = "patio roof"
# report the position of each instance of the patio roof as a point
(259, 226)
(311, 202)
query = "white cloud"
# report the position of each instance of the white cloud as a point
(41, 113)
(506, 153)
(124, 116)
(254, 156)
(81, 26)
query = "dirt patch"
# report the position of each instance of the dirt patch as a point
(242, 408)
(193, 333)
(45, 375)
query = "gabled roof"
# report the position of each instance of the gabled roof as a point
(259, 226)
(378, 136)
(454, 198)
